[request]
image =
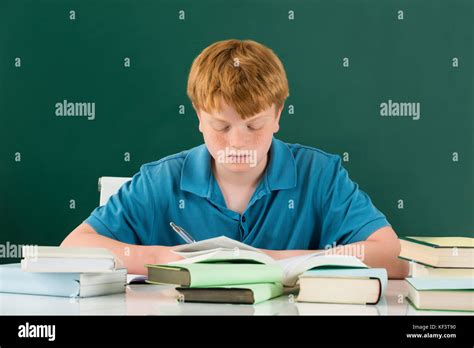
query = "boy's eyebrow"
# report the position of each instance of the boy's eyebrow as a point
(257, 118)
(214, 118)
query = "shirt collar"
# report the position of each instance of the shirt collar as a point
(280, 173)
(281, 170)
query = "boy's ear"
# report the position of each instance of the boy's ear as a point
(277, 119)
(199, 117)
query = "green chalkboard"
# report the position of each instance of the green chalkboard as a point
(350, 66)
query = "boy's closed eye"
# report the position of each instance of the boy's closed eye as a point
(256, 125)
(221, 126)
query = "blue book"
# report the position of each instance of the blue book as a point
(343, 285)
(14, 280)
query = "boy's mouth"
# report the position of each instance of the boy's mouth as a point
(237, 156)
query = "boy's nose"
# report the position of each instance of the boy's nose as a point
(237, 138)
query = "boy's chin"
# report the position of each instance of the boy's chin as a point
(238, 167)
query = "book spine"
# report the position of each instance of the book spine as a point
(380, 291)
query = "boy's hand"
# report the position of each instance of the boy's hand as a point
(164, 254)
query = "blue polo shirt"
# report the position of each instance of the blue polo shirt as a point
(305, 200)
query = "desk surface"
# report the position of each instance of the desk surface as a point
(162, 300)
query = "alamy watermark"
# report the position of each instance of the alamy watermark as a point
(357, 250)
(85, 109)
(28, 330)
(391, 108)
(13, 251)
(229, 155)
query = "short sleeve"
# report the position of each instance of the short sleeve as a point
(348, 214)
(128, 214)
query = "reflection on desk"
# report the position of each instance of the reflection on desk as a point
(162, 300)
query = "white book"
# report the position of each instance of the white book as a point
(67, 259)
(221, 254)
(294, 266)
(424, 271)
(224, 249)
(67, 265)
(350, 286)
(221, 242)
(66, 252)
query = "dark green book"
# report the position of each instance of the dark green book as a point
(236, 294)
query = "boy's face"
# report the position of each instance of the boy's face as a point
(238, 145)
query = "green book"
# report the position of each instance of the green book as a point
(447, 294)
(236, 294)
(213, 274)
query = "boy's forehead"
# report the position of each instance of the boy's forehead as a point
(227, 112)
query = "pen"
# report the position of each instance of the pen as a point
(182, 233)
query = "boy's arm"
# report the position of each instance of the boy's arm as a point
(380, 250)
(131, 256)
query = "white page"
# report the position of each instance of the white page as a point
(224, 255)
(192, 254)
(221, 242)
(294, 266)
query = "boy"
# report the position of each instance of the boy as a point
(286, 199)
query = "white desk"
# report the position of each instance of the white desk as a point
(162, 300)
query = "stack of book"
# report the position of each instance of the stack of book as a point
(64, 271)
(222, 270)
(441, 272)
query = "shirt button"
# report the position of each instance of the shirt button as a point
(243, 218)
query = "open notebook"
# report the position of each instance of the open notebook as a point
(224, 249)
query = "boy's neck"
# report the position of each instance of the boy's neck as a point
(250, 178)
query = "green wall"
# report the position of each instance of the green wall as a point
(49, 165)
